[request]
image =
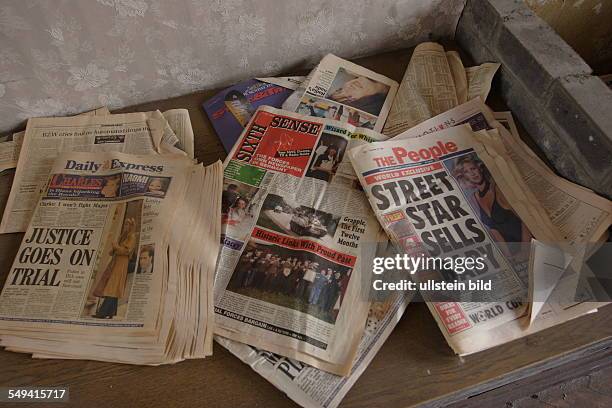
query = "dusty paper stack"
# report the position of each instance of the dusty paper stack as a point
(119, 251)
(435, 82)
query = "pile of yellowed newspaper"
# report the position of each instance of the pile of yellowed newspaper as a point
(302, 178)
(122, 229)
(121, 236)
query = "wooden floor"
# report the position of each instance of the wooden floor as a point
(414, 368)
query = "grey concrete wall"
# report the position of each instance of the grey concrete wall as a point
(548, 87)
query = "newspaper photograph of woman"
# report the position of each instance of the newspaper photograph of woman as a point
(157, 186)
(298, 280)
(113, 275)
(287, 217)
(358, 91)
(491, 206)
(328, 154)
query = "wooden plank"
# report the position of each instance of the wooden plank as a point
(414, 367)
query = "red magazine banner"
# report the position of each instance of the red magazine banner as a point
(279, 143)
(394, 174)
(305, 245)
(452, 316)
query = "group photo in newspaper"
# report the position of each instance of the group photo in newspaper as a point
(344, 197)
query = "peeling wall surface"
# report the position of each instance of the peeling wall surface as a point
(66, 56)
(586, 25)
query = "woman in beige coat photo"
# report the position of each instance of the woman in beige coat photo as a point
(111, 285)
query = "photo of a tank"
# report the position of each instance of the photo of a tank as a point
(307, 224)
(282, 215)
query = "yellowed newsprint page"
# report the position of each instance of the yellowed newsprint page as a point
(296, 229)
(340, 90)
(45, 138)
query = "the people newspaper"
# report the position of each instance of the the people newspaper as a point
(117, 262)
(45, 138)
(499, 198)
(446, 197)
(295, 246)
(341, 90)
(579, 216)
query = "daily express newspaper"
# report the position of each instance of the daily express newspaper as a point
(297, 229)
(92, 258)
(45, 138)
(446, 196)
(341, 90)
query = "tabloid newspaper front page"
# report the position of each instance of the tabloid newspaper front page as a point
(579, 218)
(424, 193)
(296, 229)
(45, 138)
(95, 278)
(341, 90)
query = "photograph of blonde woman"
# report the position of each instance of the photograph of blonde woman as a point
(111, 283)
(492, 207)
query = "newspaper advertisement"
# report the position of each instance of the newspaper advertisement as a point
(297, 225)
(45, 138)
(90, 258)
(341, 90)
(445, 196)
(426, 90)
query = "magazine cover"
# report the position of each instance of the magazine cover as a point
(230, 110)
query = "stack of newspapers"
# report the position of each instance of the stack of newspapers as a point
(313, 194)
(341, 173)
(121, 236)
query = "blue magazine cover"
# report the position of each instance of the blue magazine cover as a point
(230, 110)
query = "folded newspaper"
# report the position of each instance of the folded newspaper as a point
(96, 131)
(341, 90)
(117, 262)
(435, 81)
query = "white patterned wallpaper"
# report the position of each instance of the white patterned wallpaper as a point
(66, 56)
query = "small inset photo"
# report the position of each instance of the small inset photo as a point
(358, 91)
(327, 156)
(287, 217)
